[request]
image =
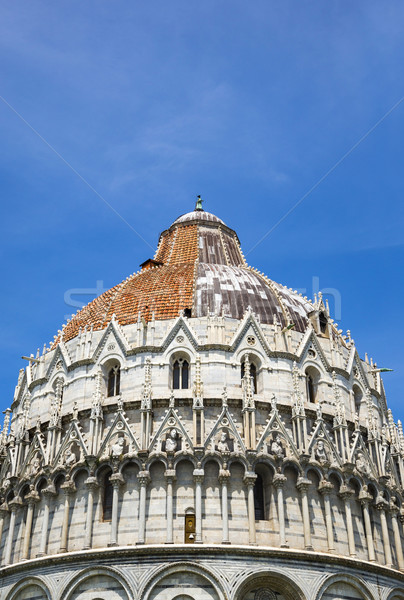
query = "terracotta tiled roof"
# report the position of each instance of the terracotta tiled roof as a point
(198, 266)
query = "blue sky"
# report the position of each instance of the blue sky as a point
(248, 104)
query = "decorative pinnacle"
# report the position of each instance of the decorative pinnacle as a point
(198, 205)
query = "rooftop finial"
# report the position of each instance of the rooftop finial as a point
(198, 205)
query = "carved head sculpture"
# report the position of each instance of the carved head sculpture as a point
(172, 441)
(117, 447)
(224, 442)
(320, 452)
(276, 447)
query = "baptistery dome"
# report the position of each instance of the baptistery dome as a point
(200, 432)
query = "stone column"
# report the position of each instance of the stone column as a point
(198, 479)
(170, 478)
(48, 493)
(249, 481)
(397, 537)
(224, 476)
(279, 481)
(303, 486)
(402, 517)
(91, 484)
(365, 499)
(117, 480)
(14, 504)
(325, 489)
(68, 488)
(346, 494)
(381, 506)
(3, 513)
(144, 480)
(32, 498)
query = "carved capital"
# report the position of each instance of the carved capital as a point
(303, 485)
(117, 479)
(249, 478)
(279, 480)
(32, 497)
(199, 475)
(50, 491)
(144, 478)
(325, 487)
(170, 475)
(91, 483)
(224, 476)
(365, 497)
(346, 492)
(15, 503)
(381, 503)
(68, 487)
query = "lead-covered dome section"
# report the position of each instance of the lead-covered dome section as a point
(198, 268)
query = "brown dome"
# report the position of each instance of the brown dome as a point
(198, 268)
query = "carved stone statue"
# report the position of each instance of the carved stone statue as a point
(172, 441)
(36, 466)
(70, 458)
(361, 464)
(223, 444)
(320, 453)
(276, 447)
(117, 448)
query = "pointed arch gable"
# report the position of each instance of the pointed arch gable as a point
(250, 322)
(72, 435)
(181, 325)
(276, 425)
(112, 332)
(171, 421)
(308, 339)
(224, 422)
(120, 425)
(60, 354)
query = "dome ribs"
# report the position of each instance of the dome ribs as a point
(232, 249)
(91, 315)
(179, 245)
(211, 249)
(230, 290)
(164, 291)
(203, 269)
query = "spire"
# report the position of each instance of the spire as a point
(198, 205)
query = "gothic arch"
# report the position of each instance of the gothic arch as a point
(86, 574)
(396, 594)
(354, 582)
(26, 583)
(273, 579)
(184, 567)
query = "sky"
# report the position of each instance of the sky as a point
(287, 117)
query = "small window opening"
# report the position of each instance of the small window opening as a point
(311, 391)
(108, 492)
(198, 429)
(253, 375)
(181, 374)
(114, 381)
(259, 499)
(187, 312)
(190, 529)
(323, 323)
